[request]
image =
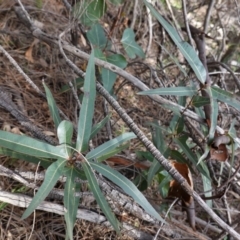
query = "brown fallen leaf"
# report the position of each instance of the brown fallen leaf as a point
(175, 190)
(29, 52)
(219, 153)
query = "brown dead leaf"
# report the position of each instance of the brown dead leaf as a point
(219, 153)
(16, 130)
(175, 189)
(28, 53)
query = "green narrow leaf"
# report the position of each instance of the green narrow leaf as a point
(87, 109)
(43, 161)
(175, 109)
(100, 197)
(144, 155)
(173, 123)
(225, 97)
(51, 177)
(176, 155)
(112, 152)
(97, 37)
(116, 2)
(157, 137)
(118, 60)
(199, 101)
(108, 79)
(158, 141)
(127, 186)
(232, 131)
(164, 129)
(89, 12)
(214, 115)
(188, 52)
(52, 106)
(207, 187)
(78, 83)
(65, 132)
(181, 141)
(175, 60)
(30, 146)
(70, 200)
(180, 125)
(97, 127)
(200, 113)
(130, 45)
(156, 166)
(109, 146)
(205, 154)
(176, 91)
(164, 179)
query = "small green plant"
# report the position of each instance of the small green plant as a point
(63, 159)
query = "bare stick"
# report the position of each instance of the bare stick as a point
(68, 60)
(208, 15)
(186, 22)
(15, 64)
(150, 25)
(135, 12)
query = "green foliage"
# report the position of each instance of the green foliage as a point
(108, 77)
(107, 147)
(100, 197)
(199, 101)
(175, 60)
(39, 4)
(71, 201)
(78, 83)
(97, 127)
(188, 52)
(44, 162)
(213, 116)
(163, 179)
(87, 109)
(30, 146)
(116, 2)
(225, 97)
(52, 106)
(131, 47)
(89, 12)
(127, 186)
(96, 36)
(176, 91)
(59, 160)
(51, 177)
